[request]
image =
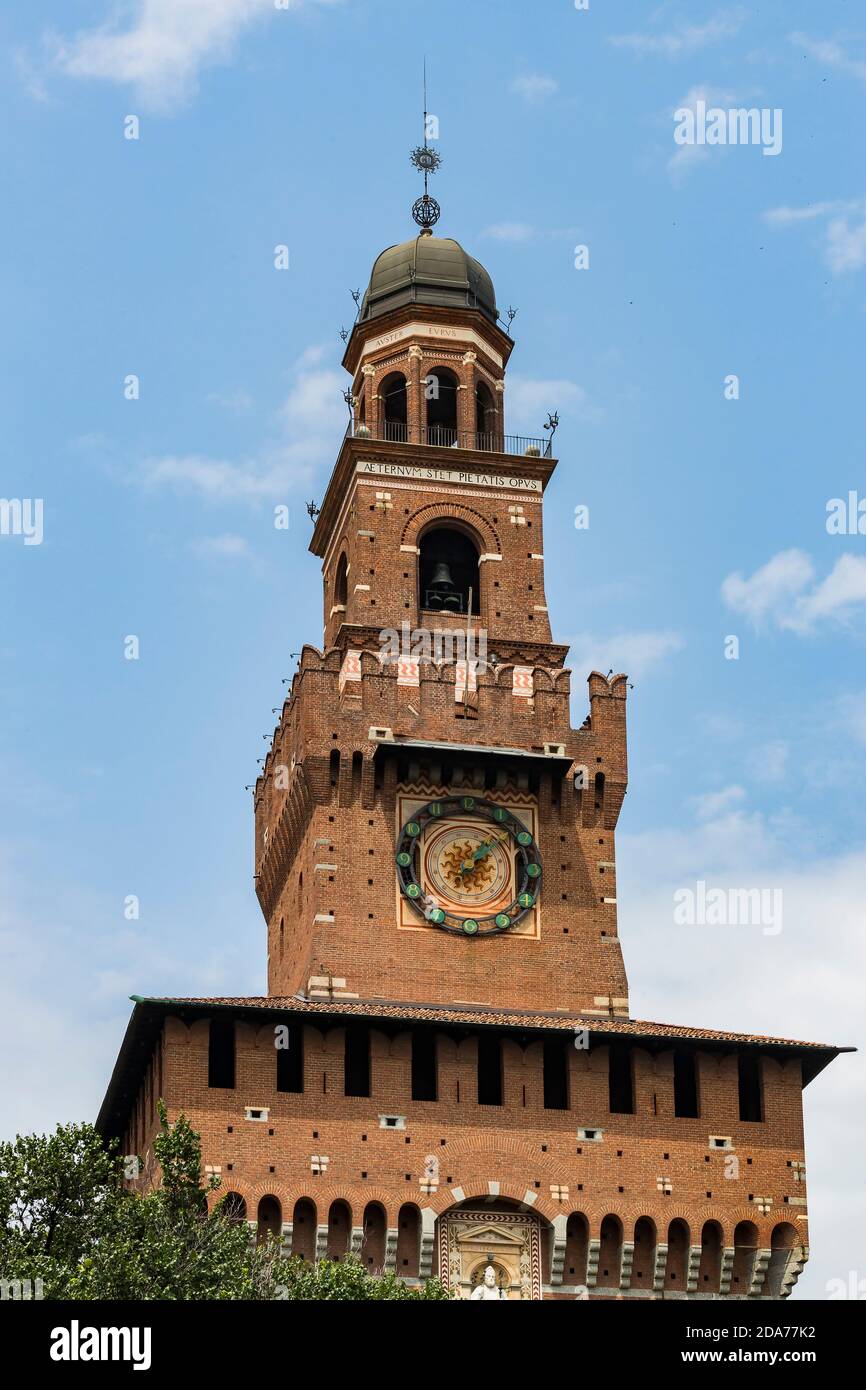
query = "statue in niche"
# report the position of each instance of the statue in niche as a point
(488, 1287)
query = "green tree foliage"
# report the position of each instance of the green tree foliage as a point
(67, 1218)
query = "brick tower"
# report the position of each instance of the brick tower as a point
(444, 1075)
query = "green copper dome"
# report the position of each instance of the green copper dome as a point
(427, 270)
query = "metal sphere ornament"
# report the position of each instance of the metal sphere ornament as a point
(426, 211)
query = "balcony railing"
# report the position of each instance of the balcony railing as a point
(444, 437)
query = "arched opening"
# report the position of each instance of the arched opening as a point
(710, 1269)
(339, 1229)
(341, 582)
(610, 1253)
(233, 1206)
(644, 1262)
(373, 1240)
(270, 1219)
(678, 1256)
(783, 1243)
(447, 571)
(494, 1231)
(576, 1246)
(408, 1241)
(485, 417)
(394, 407)
(745, 1246)
(440, 397)
(304, 1229)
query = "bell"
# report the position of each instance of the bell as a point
(441, 592)
(442, 576)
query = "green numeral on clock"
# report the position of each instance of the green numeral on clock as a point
(524, 838)
(404, 859)
(526, 900)
(413, 891)
(503, 919)
(533, 870)
(470, 926)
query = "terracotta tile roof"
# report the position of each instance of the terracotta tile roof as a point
(481, 1015)
(147, 1018)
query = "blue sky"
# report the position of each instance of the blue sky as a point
(154, 257)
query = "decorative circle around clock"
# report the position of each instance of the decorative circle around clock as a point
(460, 855)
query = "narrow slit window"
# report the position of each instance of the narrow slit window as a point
(221, 1054)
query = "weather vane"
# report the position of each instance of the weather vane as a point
(426, 211)
(313, 512)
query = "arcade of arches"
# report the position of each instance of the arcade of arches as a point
(533, 1257)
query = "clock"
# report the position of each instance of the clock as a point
(468, 865)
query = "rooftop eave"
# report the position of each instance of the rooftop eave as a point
(434, 313)
(149, 1014)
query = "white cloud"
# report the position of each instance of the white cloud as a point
(770, 588)
(686, 157)
(509, 231)
(831, 54)
(534, 87)
(688, 38)
(844, 233)
(805, 982)
(308, 432)
(778, 592)
(237, 401)
(783, 216)
(846, 245)
(769, 762)
(528, 400)
(227, 547)
(712, 804)
(160, 47)
(843, 589)
(635, 653)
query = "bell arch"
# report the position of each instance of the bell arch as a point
(448, 571)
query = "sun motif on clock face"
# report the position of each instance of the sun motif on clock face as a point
(468, 865)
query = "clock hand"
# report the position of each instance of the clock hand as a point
(481, 853)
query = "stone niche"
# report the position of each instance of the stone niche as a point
(470, 1238)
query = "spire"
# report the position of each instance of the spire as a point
(426, 211)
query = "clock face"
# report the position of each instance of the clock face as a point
(468, 866)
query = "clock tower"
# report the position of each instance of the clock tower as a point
(444, 1076)
(428, 825)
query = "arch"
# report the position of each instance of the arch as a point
(784, 1243)
(644, 1263)
(304, 1229)
(745, 1248)
(676, 1267)
(270, 1218)
(233, 1207)
(610, 1253)
(478, 526)
(710, 1270)
(576, 1247)
(448, 571)
(339, 1229)
(373, 1240)
(486, 432)
(408, 1241)
(440, 400)
(395, 407)
(341, 581)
